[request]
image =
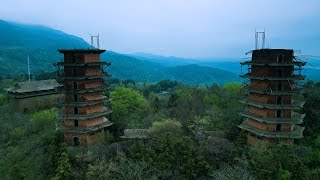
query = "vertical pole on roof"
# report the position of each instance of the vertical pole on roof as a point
(256, 38)
(29, 73)
(263, 38)
(91, 40)
(98, 42)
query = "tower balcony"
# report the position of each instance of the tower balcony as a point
(79, 129)
(272, 92)
(65, 103)
(83, 77)
(273, 78)
(296, 132)
(62, 115)
(297, 118)
(85, 90)
(295, 105)
(255, 63)
(82, 64)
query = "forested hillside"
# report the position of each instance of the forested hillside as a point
(18, 41)
(193, 130)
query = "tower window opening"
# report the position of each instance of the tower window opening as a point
(76, 110)
(279, 86)
(279, 100)
(278, 127)
(75, 85)
(75, 98)
(280, 73)
(74, 72)
(76, 123)
(279, 114)
(73, 58)
(75, 141)
(280, 58)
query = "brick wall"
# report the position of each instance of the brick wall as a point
(32, 104)
(267, 55)
(258, 111)
(272, 71)
(257, 84)
(259, 97)
(84, 123)
(71, 57)
(82, 71)
(92, 58)
(83, 84)
(85, 138)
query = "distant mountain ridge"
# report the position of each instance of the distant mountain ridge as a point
(127, 67)
(18, 41)
(40, 43)
(311, 70)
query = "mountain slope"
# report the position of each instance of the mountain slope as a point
(195, 74)
(127, 67)
(17, 41)
(311, 70)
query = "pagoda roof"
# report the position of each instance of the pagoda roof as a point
(34, 86)
(136, 134)
(85, 51)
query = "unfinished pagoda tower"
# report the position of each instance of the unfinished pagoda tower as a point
(270, 112)
(83, 116)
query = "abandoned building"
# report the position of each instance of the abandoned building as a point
(271, 111)
(84, 110)
(31, 96)
(136, 134)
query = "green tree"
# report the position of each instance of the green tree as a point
(128, 106)
(176, 151)
(64, 167)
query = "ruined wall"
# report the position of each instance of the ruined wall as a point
(71, 57)
(84, 138)
(267, 55)
(33, 104)
(84, 123)
(82, 71)
(83, 110)
(83, 84)
(270, 127)
(91, 58)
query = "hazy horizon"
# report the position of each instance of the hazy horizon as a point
(194, 29)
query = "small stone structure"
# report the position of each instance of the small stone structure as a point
(136, 134)
(34, 95)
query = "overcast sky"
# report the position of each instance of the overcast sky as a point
(185, 28)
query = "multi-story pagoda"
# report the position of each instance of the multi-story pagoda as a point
(270, 112)
(83, 116)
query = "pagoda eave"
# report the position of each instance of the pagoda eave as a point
(64, 116)
(297, 118)
(82, 64)
(295, 77)
(297, 132)
(295, 63)
(104, 124)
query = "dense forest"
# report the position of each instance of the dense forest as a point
(193, 135)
